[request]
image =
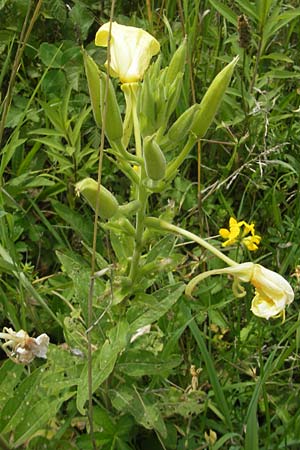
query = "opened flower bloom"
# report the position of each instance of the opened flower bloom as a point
(239, 231)
(23, 348)
(272, 292)
(131, 50)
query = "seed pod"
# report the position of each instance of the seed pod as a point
(93, 74)
(155, 161)
(113, 123)
(182, 126)
(211, 100)
(108, 204)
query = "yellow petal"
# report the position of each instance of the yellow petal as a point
(265, 307)
(251, 242)
(224, 233)
(131, 50)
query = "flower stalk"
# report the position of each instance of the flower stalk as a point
(159, 224)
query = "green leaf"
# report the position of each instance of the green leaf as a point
(83, 225)
(103, 362)
(54, 83)
(136, 363)
(50, 55)
(147, 309)
(57, 9)
(51, 143)
(37, 415)
(82, 18)
(143, 409)
(225, 11)
(212, 374)
(14, 410)
(251, 439)
(10, 374)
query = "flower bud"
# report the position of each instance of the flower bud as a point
(108, 204)
(113, 123)
(155, 161)
(181, 127)
(211, 100)
(92, 74)
(177, 63)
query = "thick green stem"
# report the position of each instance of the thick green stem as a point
(153, 222)
(141, 191)
(139, 230)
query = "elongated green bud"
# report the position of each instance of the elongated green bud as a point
(180, 129)
(108, 204)
(177, 63)
(211, 100)
(93, 79)
(113, 123)
(155, 161)
(131, 208)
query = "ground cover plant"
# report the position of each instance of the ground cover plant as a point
(149, 222)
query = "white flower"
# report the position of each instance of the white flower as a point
(23, 348)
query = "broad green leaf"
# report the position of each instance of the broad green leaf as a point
(161, 249)
(10, 374)
(143, 409)
(37, 415)
(14, 410)
(83, 225)
(50, 55)
(138, 363)
(147, 309)
(103, 362)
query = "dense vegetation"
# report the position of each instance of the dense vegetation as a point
(208, 373)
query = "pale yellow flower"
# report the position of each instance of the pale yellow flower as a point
(131, 50)
(210, 437)
(238, 231)
(272, 292)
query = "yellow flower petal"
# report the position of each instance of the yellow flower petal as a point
(131, 50)
(224, 233)
(251, 242)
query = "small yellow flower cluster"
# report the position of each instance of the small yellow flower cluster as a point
(238, 232)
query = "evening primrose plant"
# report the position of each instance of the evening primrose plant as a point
(151, 94)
